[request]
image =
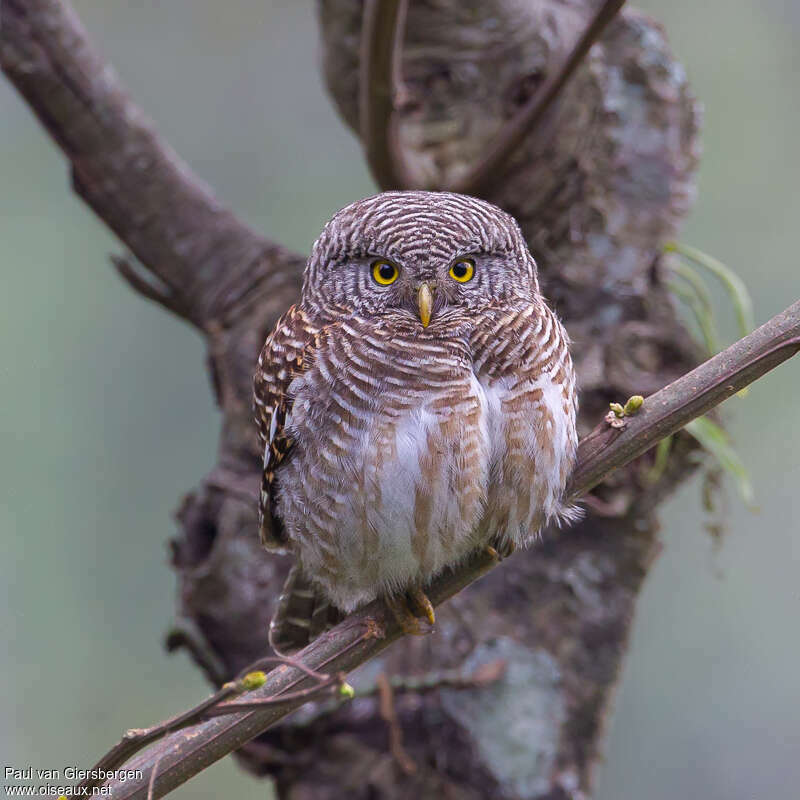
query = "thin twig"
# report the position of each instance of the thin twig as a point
(147, 288)
(368, 631)
(489, 169)
(389, 716)
(152, 781)
(382, 30)
(289, 660)
(302, 695)
(186, 633)
(483, 676)
(137, 738)
(444, 679)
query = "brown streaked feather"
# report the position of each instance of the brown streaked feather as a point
(286, 354)
(527, 347)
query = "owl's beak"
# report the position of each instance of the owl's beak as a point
(425, 302)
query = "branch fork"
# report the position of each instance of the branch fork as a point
(381, 94)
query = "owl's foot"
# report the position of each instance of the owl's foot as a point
(409, 608)
(420, 605)
(500, 547)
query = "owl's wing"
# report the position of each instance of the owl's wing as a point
(285, 354)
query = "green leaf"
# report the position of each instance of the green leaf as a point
(734, 285)
(694, 292)
(662, 459)
(717, 442)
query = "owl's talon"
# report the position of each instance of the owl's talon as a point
(408, 608)
(420, 606)
(509, 549)
(408, 623)
(501, 548)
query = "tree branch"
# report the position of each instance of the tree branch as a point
(137, 738)
(668, 410)
(128, 174)
(484, 176)
(365, 633)
(379, 76)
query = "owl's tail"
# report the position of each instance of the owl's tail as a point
(302, 615)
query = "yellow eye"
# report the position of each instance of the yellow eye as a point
(462, 270)
(384, 272)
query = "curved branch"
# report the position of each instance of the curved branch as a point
(379, 76)
(490, 169)
(368, 631)
(127, 173)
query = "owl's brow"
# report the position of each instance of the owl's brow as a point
(477, 250)
(468, 250)
(343, 259)
(362, 256)
(483, 254)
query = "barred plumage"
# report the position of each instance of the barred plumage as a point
(407, 423)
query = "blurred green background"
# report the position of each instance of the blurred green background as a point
(106, 417)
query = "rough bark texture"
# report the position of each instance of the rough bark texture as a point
(598, 187)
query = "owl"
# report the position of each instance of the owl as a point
(416, 405)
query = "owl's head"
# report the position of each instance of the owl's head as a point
(419, 255)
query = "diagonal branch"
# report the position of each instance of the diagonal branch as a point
(379, 76)
(365, 633)
(128, 174)
(668, 410)
(216, 705)
(489, 169)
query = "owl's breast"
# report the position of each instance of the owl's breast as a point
(389, 474)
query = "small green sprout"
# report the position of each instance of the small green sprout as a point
(633, 405)
(618, 410)
(346, 691)
(253, 680)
